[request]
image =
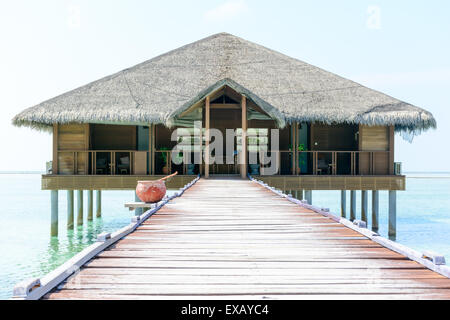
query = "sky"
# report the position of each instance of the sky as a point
(48, 47)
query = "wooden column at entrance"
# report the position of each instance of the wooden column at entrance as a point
(244, 138)
(207, 124)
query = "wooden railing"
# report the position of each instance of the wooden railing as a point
(345, 162)
(332, 162)
(110, 162)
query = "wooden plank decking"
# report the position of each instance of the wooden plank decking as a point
(228, 239)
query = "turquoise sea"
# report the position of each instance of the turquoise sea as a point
(27, 250)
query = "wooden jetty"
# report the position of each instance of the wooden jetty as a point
(236, 239)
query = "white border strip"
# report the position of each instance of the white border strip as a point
(426, 259)
(34, 289)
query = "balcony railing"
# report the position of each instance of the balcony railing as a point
(331, 162)
(346, 162)
(108, 162)
(132, 162)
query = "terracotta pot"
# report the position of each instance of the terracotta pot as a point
(165, 170)
(151, 191)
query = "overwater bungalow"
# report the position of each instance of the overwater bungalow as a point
(334, 134)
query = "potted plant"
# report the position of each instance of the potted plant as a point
(163, 157)
(302, 158)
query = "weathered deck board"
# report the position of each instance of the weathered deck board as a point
(233, 239)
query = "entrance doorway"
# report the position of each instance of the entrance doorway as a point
(223, 117)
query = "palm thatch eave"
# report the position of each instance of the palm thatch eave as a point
(288, 89)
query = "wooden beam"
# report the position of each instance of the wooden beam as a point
(200, 166)
(296, 148)
(244, 138)
(152, 151)
(150, 135)
(312, 147)
(199, 104)
(149, 160)
(293, 144)
(225, 106)
(391, 150)
(55, 149)
(87, 137)
(207, 125)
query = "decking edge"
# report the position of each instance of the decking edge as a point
(36, 288)
(375, 237)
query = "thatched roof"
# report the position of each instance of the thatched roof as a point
(287, 89)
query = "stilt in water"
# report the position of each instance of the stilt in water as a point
(90, 215)
(392, 214)
(69, 209)
(308, 196)
(79, 207)
(364, 205)
(375, 210)
(54, 213)
(343, 203)
(98, 203)
(352, 205)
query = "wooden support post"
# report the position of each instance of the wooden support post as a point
(297, 139)
(207, 138)
(98, 203)
(244, 138)
(90, 215)
(352, 205)
(391, 149)
(200, 166)
(364, 205)
(55, 149)
(308, 196)
(293, 144)
(343, 203)
(153, 149)
(79, 207)
(392, 213)
(69, 209)
(150, 160)
(375, 206)
(54, 213)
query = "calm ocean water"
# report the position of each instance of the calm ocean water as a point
(27, 250)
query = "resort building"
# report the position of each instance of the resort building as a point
(334, 134)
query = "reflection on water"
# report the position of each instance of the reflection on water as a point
(60, 249)
(63, 247)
